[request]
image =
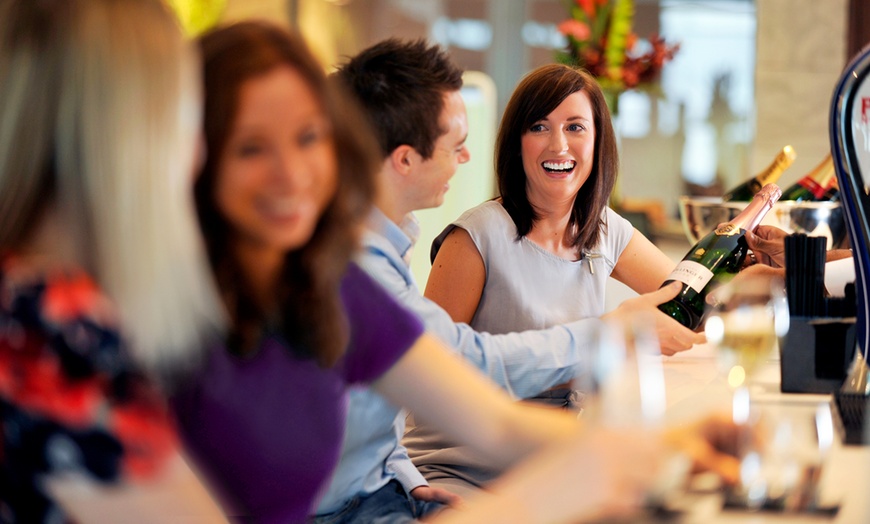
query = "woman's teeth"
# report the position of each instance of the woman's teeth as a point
(560, 167)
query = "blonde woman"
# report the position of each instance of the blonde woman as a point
(101, 279)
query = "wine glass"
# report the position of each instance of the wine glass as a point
(748, 317)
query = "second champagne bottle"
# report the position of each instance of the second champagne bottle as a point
(745, 191)
(715, 259)
(819, 185)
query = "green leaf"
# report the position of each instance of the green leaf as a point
(620, 28)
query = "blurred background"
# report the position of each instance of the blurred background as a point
(750, 76)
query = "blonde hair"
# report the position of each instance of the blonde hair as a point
(100, 109)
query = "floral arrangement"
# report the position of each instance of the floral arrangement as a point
(600, 39)
(197, 16)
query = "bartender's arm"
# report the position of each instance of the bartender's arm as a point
(768, 245)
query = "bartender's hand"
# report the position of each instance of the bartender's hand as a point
(673, 336)
(768, 244)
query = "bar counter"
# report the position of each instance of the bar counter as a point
(694, 385)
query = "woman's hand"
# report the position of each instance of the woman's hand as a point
(673, 336)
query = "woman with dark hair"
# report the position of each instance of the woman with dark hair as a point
(310, 309)
(290, 174)
(539, 255)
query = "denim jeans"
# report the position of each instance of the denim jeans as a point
(388, 505)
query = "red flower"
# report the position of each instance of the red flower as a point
(7, 376)
(588, 7)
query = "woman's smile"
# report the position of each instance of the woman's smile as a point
(559, 168)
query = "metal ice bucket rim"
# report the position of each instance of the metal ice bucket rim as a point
(782, 207)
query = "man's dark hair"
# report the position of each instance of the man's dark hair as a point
(401, 86)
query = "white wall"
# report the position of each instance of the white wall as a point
(801, 51)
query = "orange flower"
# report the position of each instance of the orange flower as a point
(575, 29)
(630, 41)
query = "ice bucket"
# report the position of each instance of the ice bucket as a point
(700, 215)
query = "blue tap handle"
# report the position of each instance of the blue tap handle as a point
(850, 148)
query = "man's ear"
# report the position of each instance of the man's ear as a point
(402, 159)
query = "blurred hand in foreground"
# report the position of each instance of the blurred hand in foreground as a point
(712, 443)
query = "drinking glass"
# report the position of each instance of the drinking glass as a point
(782, 458)
(620, 375)
(748, 317)
(623, 386)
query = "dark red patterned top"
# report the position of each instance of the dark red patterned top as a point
(70, 398)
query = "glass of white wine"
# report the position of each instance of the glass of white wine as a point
(749, 316)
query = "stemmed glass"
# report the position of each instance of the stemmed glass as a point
(783, 448)
(748, 317)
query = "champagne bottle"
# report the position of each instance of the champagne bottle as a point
(818, 185)
(745, 191)
(715, 259)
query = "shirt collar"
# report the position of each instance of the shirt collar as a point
(402, 237)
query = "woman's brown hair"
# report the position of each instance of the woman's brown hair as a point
(538, 94)
(310, 314)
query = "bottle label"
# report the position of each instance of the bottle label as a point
(813, 187)
(693, 274)
(727, 230)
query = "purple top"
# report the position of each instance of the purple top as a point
(267, 430)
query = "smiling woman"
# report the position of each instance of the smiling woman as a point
(273, 189)
(558, 154)
(540, 254)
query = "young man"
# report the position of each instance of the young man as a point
(410, 91)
